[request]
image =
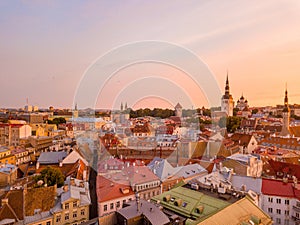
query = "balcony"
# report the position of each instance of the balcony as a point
(296, 208)
(296, 219)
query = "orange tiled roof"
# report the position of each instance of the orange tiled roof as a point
(282, 168)
(279, 142)
(279, 188)
(241, 139)
(108, 189)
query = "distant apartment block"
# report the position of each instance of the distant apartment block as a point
(10, 134)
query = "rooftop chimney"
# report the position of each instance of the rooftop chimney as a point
(66, 188)
(295, 180)
(220, 166)
(4, 201)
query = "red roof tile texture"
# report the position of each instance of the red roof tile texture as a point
(279, 188)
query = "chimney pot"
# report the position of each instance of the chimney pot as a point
(66, 188)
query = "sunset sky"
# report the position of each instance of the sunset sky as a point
(47, 47)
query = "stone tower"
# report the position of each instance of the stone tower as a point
(227, 103)
(75, 112)
(285, 131)
(178, 110)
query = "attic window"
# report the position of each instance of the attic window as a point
(199, 209)
(167, 198)
(178, 202)
(255, 220)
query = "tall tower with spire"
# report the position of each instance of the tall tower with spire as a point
(227, 102)
(178, 110)
(285, 131)
(75, 111)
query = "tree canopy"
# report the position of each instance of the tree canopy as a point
(51, 176)
(156, 112)
(57, 120)
(232, 123)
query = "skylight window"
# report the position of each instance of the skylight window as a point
(184, 204)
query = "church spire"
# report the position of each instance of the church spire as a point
(227, 85)
(286, 100)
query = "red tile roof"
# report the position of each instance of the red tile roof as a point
(288, 168)
(108, 190)
(110, 164)
(280, 142)
(241, 139)
(11, 125)
(176, 119)
(279, 188)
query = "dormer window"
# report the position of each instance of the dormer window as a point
(74, 204)
(67, 206)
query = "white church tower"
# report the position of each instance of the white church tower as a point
(178, 110)
(227, 102)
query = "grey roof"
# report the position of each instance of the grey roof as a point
(190, 170)
(162, 168)
(57, 207)
(76, 192)
(37, 217)
(7, 168)
(251, 183)
(71, 194)
(148, 209)
(85, 200)
(7, 221)
(4, 148)
(52, 157)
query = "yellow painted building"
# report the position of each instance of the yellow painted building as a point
(41, 130)
(6, 156)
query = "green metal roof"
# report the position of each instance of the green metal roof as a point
(190, 201)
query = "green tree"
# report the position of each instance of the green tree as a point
(233, 123)
(156, 112)
(57, 120)
(254, 111)
(51, 176)
(235, 111)
(206, 112)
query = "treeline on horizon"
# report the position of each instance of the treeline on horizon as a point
(165, 113)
